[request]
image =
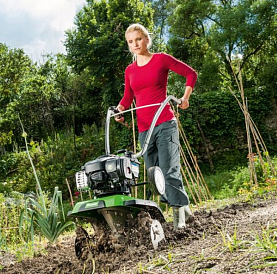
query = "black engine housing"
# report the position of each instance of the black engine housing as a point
(112, 174)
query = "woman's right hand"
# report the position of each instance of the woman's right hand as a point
(119, 118)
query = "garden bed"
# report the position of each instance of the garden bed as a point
(235, 238)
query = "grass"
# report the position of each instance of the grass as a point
(170, 261)
(232, 242)
(266, 242)
(159, 263)
(218, 184)
(236, 182)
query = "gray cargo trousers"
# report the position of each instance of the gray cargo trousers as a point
(164, 151)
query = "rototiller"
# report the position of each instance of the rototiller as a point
(116, 216)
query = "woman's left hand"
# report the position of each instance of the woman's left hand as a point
(184, 103)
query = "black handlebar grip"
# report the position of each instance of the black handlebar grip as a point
(175, 104)
(115, 111)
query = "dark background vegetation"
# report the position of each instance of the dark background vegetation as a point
(63, 102)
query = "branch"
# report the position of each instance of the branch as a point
(244, 61)
(212, 19)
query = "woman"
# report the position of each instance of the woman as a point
(146, 81)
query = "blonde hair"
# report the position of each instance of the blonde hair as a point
(144, 31)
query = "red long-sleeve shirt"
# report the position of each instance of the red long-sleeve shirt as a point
(148, 85)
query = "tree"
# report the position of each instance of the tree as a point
(160, 15)
(97, 48)
(210, 34)
(14, 66)
(40, 96)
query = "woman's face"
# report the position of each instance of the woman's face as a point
(137, 42)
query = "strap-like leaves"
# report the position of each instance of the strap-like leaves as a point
(38, 217)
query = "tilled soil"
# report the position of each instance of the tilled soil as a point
(216, 241)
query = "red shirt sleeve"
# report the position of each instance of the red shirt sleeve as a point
(180, 68)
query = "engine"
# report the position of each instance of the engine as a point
(109, 174)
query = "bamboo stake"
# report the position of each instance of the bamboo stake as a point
(190, 176)
(70, 193)
(134, 142)
(192, 157)
(188, 185)
(198, 182)
(257, 135)
(199, 177)
(250, 151)
(252, 171)
(144, 179)
(261, 141)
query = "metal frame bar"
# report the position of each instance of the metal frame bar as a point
(111, 113)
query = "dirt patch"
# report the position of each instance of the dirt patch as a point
(217, 241)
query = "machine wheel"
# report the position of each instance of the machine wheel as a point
(146, 231)
(156, 233)
(156, 180)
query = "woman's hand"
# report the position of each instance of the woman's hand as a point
(185, 99)
(119, 118)
(184, 103)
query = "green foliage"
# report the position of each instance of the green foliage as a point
(215, 122)
(14, 66)
(59, 100)
(213, 32)
(266, 242)
(60, 156)
(160, 15)
(37, 216)
(29, 91)
(97, 45)
(232, 242)
(10, 207)
(237, 181)
(15, 69)
(221, 185)
(55, 159)
(6, 138)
